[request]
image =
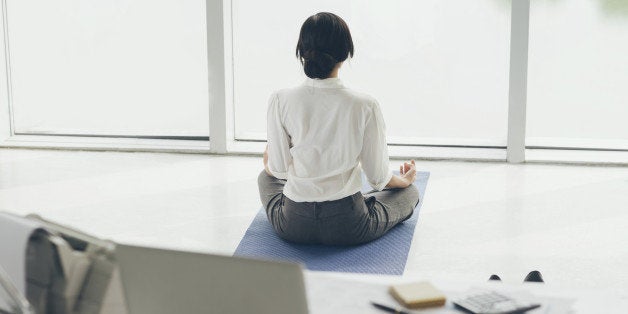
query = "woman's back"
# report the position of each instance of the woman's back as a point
(324, 124)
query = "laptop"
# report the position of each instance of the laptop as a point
(159, 281)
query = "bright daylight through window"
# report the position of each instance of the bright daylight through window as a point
(578, 69)
(117, 68)
(439, 69)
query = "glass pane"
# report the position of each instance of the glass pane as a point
(438, 68)
(578, 74)
(135, 68)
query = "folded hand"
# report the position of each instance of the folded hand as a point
(408, 172)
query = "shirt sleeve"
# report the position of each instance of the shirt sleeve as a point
(374, 154)
(279, 158)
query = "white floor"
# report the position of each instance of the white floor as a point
(570, 222)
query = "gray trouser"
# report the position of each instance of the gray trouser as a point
(355, 219)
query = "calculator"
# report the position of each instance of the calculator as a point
(491, 302)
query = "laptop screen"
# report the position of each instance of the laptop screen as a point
(166, 281)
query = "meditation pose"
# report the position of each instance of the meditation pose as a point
(321, 136)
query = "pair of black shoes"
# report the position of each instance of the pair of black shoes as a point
(533, 276)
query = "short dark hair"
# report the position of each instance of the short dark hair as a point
(324, 40)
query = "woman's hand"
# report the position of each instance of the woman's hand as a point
(408, 172)
(407, 176)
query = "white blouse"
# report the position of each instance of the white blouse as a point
(321, 135)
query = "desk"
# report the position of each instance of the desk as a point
(343, 293)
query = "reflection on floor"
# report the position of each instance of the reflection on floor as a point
(477, 218)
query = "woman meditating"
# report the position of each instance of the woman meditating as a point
(321, 136)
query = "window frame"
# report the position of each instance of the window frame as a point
(219, 24)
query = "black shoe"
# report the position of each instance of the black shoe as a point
(494, 277)
(534, 276)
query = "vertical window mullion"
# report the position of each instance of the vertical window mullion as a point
(6, 122)
(216, 76)
(518, 78)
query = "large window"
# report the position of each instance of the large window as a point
(450, 80)
(578, 74)
(116, 68)
(438, 68)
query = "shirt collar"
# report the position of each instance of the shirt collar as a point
(332, 82)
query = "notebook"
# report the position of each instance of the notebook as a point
(418, 295)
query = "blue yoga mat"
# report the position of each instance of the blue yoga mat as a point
(386, 255)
